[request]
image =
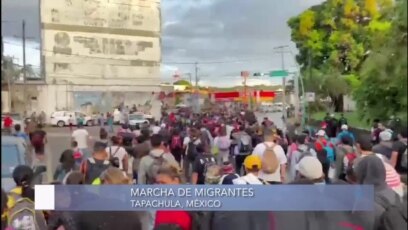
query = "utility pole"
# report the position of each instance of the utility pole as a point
(282, 52)
(296, 85)
(3, 68)
(24, 64)
(196, 93)
(196, 74)
(245, 75)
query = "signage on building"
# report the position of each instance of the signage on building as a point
(104, 40)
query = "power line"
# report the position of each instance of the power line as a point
(169, 63)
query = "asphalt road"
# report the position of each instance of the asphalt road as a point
(59, 139)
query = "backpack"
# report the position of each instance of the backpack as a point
(245, 144)
(192, 151)
(303, 154)
(350, 157)
(270, 161)
(394, 216)
(115, 162)
(37, 139)
(329, 151)
(176, 143)
(154, 168)
(207, 161)
(223, 143)
(127, 138)
(200, 220)
(23, 214)
(404, 160)
(94, 168)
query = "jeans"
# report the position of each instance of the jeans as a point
(187, 165)
(222, 156)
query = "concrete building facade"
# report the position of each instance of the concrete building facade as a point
(110, 48)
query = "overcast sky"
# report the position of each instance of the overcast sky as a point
(237, 34)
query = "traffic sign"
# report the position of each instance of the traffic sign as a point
(278, 73)
(244, 73)
(310, 96)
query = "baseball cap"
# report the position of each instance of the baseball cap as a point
(252, 161)
(23, 174)
(321, 133)
(386, 135)
(344, 127)
(310, 167)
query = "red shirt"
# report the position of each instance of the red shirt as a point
(319, 142)
(180, 218)
(8, 122)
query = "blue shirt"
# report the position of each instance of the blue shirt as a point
(345, 133)
(22, 135)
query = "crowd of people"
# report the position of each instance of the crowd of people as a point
(216, 148)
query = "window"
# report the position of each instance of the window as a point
(58, 114)
(10, 158)
(136, 117)
(15, 116)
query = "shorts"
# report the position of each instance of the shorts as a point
(39, 149)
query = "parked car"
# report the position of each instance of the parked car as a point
(62, 118)
(116, 116)
(17, 119)
(149, 117)
(15, 152)
(137, 119)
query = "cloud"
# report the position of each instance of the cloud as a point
(231, 30)
(242, 33)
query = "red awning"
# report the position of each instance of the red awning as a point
(226, 95)
(267, 94)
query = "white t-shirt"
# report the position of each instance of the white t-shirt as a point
(247, 179)
(228, 129)
(218, 140)
(156, 129)
(280, 154)
(81, 137)
(118, 152)
(186, 141)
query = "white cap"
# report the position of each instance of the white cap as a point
(344, 127)
(310, 167)
(386, 135)
(321, 133)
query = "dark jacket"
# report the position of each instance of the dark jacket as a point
(241, 220)
(66, 219)
(321, 220)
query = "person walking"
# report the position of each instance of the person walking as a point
(149, 164)
(110, 121)
(82, 137)
(66, 165)
(117, 154)
(222, 142)
(101, 120)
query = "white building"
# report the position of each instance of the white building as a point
(103, 52)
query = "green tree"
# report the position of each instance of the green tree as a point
(383, 91)
(333, 39)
